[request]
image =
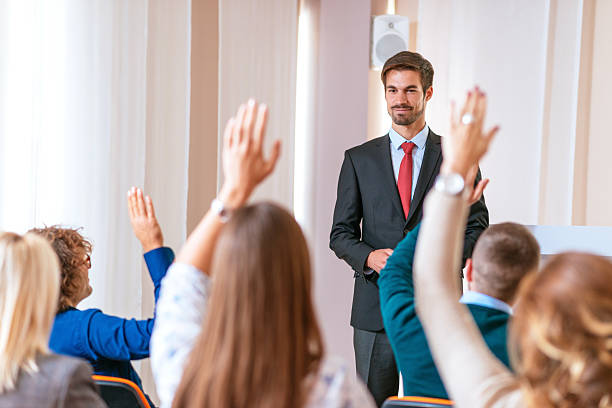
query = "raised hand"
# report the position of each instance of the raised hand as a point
(244, 164)
(144, 223)
(244, 167)
(467, 143)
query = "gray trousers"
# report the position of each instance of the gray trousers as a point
(376, 364)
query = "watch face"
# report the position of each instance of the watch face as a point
(218, 207)
(450, 183)
(455, 183)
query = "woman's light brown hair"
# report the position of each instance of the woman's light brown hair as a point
(71, 249)
(260, 340)
(561, 334)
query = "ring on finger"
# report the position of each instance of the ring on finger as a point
(467, 118)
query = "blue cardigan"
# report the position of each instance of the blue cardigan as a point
(406, 334)
(110, 342)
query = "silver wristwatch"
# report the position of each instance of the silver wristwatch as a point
(452, 184)
(220, 209)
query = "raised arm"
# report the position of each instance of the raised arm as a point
(183, 301)
(471, 374)
(143, 220)
(122, 339)
(244, 167)
(397, 292)
(146, 228)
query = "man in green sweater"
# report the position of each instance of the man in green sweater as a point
(503, 255)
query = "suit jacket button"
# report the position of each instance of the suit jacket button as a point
(406, 231)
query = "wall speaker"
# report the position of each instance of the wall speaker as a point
(390, 35)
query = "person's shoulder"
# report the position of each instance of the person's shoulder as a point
(367, 146)
(485, 310)
(333, 364)
(434, 137)
(335, 370)
(72, 381)
(338, 386)
(76, 317)
(61, 367)
(70, 322)
(74, 313)
(487, 317)
(51, 381)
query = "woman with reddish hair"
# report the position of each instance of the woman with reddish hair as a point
(109, 343)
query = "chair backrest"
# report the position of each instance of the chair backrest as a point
(120, 393)
(416, 402)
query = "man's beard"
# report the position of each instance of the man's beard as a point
(406, 119)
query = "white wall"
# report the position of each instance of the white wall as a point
(257, 58)
(544, 65)
(502, 48)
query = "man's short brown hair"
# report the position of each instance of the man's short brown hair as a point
(503, 255)
(411, 61)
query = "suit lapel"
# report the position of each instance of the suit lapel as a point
(384, 157)
(431, 161)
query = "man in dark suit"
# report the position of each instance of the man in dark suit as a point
(381, 188)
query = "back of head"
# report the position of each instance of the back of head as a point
(412, 61)
(503, 255)
(260, 338)
(561, 335)
(71, 248)
(29, 286)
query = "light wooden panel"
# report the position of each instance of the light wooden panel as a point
(204, 110)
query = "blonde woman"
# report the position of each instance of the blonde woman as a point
(236, 325)
(31, 376)
(561, 335)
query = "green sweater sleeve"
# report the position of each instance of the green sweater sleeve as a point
(395, 286)
(402, 324)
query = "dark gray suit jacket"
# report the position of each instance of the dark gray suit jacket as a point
(61, 381)
(369, 215)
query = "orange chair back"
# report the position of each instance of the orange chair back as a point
(417, 402)
(119, 392)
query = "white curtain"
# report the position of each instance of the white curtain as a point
(94, 99)
(257, 58)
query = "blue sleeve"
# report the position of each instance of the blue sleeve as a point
(397, 293)
(119, 339)
(158, 261)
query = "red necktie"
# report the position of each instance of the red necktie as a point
(404, 178)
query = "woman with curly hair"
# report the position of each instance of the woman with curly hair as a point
(31, 375)
(108, 342)
(561, 334)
